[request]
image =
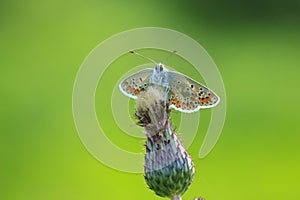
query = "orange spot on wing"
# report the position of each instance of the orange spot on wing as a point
(136, 91)
(173, 101)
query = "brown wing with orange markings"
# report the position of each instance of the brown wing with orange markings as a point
(188, 95)
(136, 83)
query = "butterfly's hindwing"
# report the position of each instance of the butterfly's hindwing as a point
(136, 83)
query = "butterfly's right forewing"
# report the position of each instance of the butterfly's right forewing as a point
(188, 95)
(136, 83)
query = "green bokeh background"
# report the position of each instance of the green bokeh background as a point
(255, 44)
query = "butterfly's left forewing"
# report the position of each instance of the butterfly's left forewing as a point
(136, 83)
(188, 95)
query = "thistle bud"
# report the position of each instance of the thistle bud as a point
(169, 169)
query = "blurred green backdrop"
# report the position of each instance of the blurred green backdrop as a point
(255, 44)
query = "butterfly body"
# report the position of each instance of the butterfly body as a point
(183, 93)
(159, 76)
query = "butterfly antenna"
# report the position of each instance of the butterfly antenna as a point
(171, 54)
(133, 52)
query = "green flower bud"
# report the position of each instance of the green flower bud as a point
(169, 169)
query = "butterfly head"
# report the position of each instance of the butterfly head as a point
(159, 67)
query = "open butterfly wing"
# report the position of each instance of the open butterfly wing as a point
(136, 83)
(188, 95)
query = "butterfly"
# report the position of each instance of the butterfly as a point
(183, 93)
